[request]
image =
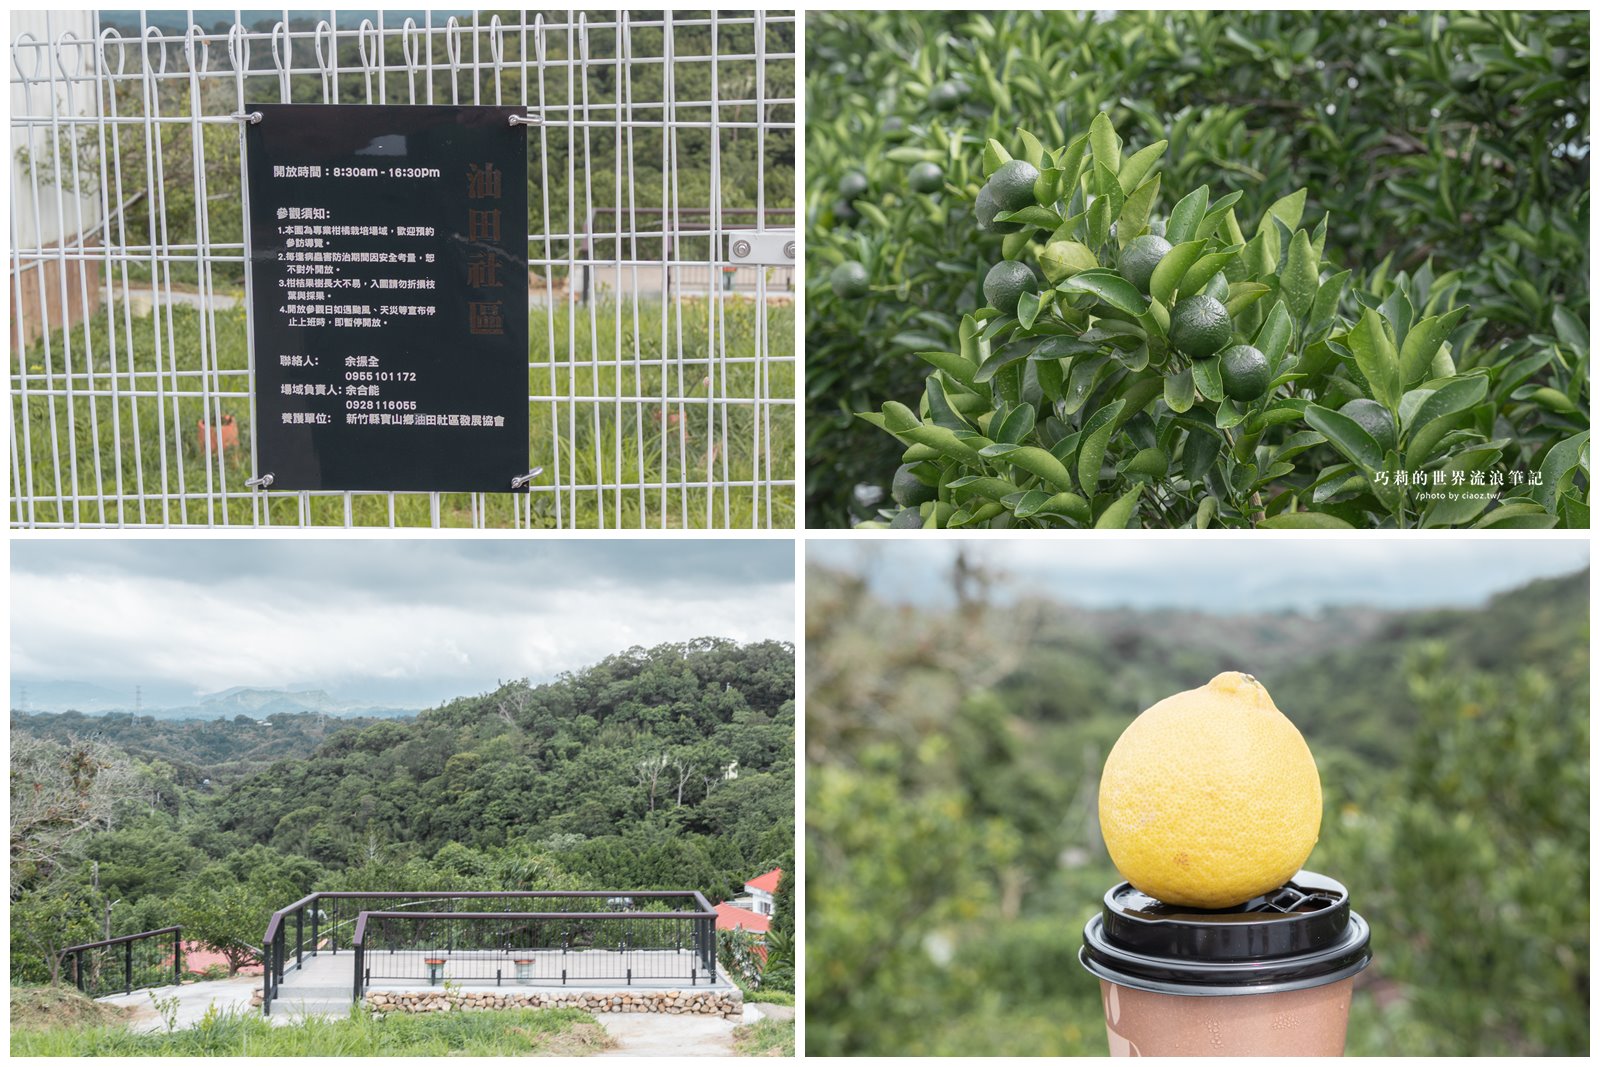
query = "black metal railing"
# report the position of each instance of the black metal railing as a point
(534, 948)
(327, 922)
(123, 964)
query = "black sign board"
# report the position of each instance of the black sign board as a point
(389, 296)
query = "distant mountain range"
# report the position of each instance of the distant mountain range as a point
(165, 703)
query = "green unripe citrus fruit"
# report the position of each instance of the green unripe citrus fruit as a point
(926, 178)
(1013, 185)
(1245, 373)
(1063, 259)
(907, 519)
(947, 96)
(1374, 418)
(849, 280)
(1005, 283)
(853, 184)
(910, 491)
(985, 207)
(1138, 261)
(1200, 326)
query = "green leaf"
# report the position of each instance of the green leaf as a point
(897, 417)
(1346, 435)
(1135, 216)
(1170, 271)
(1186, 216)
(1422, 344)
(1522, 515)
(1203, 270)
(1303, 520)
(913, 155)
(1032, 150)
(1017, 425)
(1117, 515)
(1299, 280)
(1288, 210)
(1555, 473)
(1109, 286)
(1133, 169)
(1229, 415)
(988, 487)
(1376, 357)
(1092, 453)
(1571, 330)
(1200, 451)
(1033, 215)
(1005, 357)
(1470, 500)
(1273, 338)
(952, 364)
(995, 156)
(1178, 390)
(1105, 143)
(1243, 294)
(1327, 301)
(1039, 462)
(1458, 395)
(1208, 378)
(1028, 309)
(873, 213)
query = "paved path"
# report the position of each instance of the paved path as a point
(193, 1000)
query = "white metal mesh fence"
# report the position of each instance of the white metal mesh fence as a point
(661, 376)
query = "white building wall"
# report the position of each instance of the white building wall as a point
(42, 213)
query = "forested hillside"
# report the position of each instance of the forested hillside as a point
(953, 764)
(665, 768)
(196, 750)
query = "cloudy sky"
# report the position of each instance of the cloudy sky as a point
(1222, 576)
(408, 623)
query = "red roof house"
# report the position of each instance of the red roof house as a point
(766, 883)
(733, 917)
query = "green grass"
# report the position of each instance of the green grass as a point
(770, 996)
(87, 442)
(768, 1037)
(547, 1031)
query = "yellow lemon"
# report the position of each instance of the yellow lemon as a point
(1210, 797)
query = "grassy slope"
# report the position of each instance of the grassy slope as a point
(768, 1037)
(88, 443)
(37, 1014)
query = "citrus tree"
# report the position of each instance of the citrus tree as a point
(1438, 145)
(1141, 357)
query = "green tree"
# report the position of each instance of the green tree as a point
(228, 918)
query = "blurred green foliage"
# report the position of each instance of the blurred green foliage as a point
(952, 838)
(1446, 138)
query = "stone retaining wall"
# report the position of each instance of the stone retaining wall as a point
(729, 1003)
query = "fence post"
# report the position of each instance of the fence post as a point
(127, 966)
(316, 914)
(299, 936)
(266, 978)
(360, 954)
(177, 956)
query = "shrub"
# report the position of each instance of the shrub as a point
(1440, 146)
(1222, 395)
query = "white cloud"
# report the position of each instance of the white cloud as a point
(352, 635)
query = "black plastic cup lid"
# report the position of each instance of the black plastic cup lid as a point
(1300, 935)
